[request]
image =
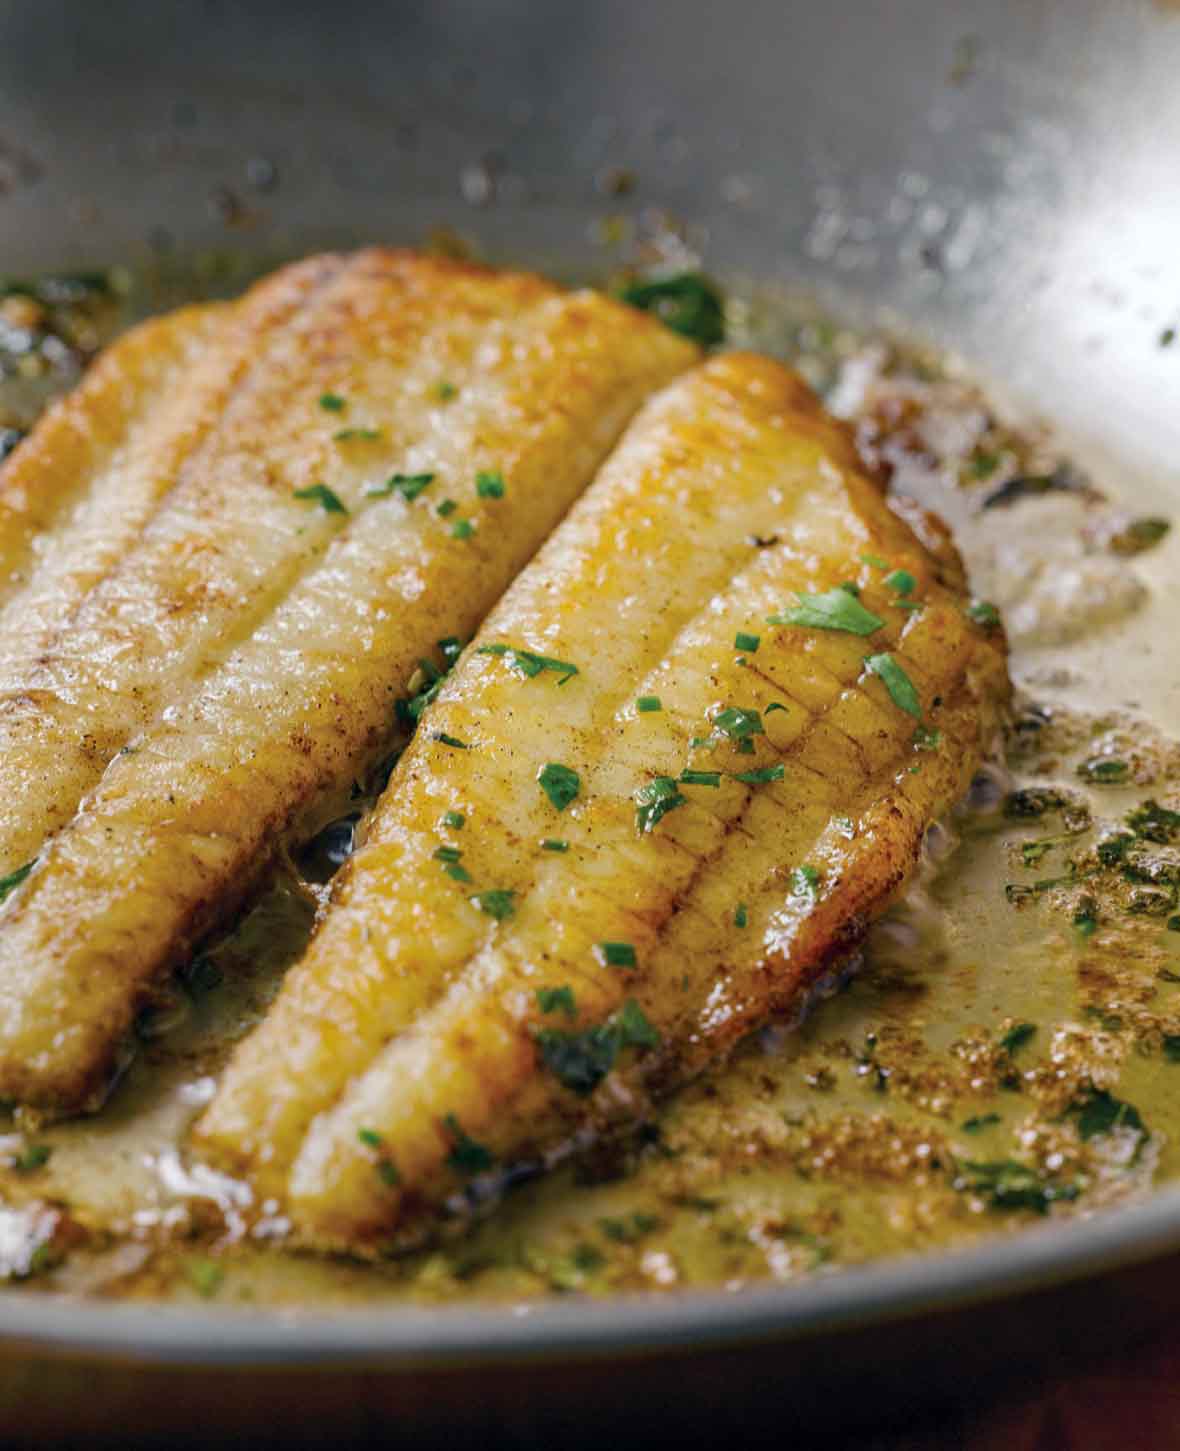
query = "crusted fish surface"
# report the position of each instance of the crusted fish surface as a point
(372, 447)
(689, 756)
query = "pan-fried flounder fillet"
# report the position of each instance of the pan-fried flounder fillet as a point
(581, 887)
(402, 435)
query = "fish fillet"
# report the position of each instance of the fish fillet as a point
(245, 654)
(480, 994)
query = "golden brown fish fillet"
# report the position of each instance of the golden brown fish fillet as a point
(246, 652)
(479, 994)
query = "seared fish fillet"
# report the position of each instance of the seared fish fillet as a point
(399, 435)
(507, 963)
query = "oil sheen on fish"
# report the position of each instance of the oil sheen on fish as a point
(371, 448)
(582, 887)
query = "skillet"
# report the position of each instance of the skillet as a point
(1033, 143)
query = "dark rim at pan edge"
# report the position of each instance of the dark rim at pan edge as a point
(403, 1339)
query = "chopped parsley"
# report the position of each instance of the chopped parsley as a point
(497, 903)
(357, 435)
(647, 704)
(204, 1275)
(466, 1156)
(1099, 1112)
(328, 500)
(902, 581)
(774, 705)
(738, 725)
(31, 1158)
(926, 738)
(370, 1138)
(409, 486)
(530, 664)
(875, 560)
(1009, 1184)
(489, 484)
(897, 683)
(700, 778)
(763, 774)
(741, 915)
(9, 884)
(1154, 822)
(1085, 919)
(453, 741)
(686, 302)
(750, 643)
(615, 954)
(445, 391)
(581, 1060)
(462, 529)
(835, 610)
(982, 612)
(457, 872)
(558, 1000)
(387, 1170)
(979, 1122)
(654, 800)
(554, 843)
(804, 881)
(447, 854)
(332, 403)
(559, 783)
(454, 819)
(1017, 1036)
(1104, 770)
(446, 508)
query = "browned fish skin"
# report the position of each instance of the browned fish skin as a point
(248, 655)
(415, 1016)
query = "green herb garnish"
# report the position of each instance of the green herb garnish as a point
(1017, 1036)
(322, 495)
(530, 664)
(1099, 1112)
(926, 738)
(357, 435)
(559, 783)
(902, 581)
(453, 741)
(553, 843)
(1155, 822)
(457, 872)
(615, 954)
(763, 774)
(454, 819)
(557, 1000)
(1104, 770)
(749, 643)
(979, 1122)
(9, 884)
(370, 1138)
(654, 800)
(446, 508)
(646, 704)
(497, 903)
(204, 1275)
(875, 560)
(447, 854)
(700, 778)
(741, 915)
(835, 610)
(897, 683)
(31, 1158)
(1008, 1184)
(409, 486)
(774, 705)
(444, 392)
(804, 881)
(983, 613)
(332, 403)
(462, 529)
(489, 484)
(738, 725)
(686, 302)
(466, 1156)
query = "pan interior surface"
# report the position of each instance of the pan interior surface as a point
(990, 177)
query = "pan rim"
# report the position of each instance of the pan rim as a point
(410, 1339)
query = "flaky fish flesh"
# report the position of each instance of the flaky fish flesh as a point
(689, 756)
(232, 547)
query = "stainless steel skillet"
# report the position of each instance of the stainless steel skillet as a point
(1000, 175)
